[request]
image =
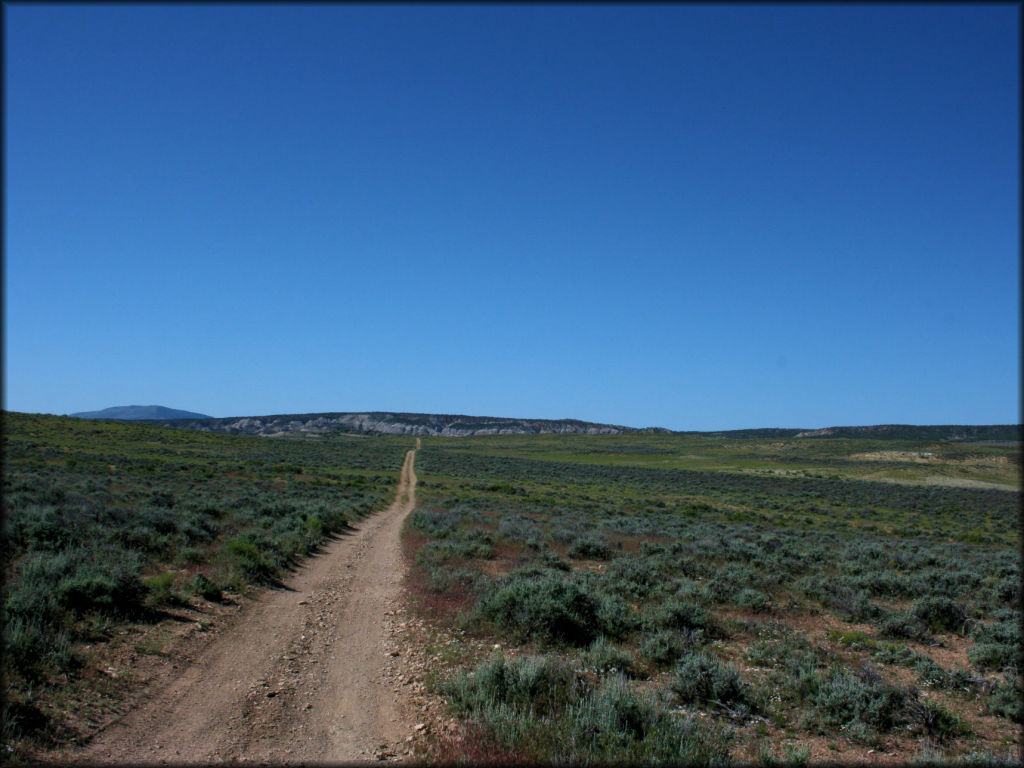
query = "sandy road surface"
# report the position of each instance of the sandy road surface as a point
(301, 676)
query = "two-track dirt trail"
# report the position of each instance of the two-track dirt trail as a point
(301, 676)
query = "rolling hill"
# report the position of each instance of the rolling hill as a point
(139, 413)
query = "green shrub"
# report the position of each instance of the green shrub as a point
(31, 592)
(939, 613)
(542, 557)
(1007, 591)
(545, 607)
(606, 657)
(751, 599)
(567, 534)
(435, 523)
(903, 625)
(614, 617)
(189, 556)
(997, 645)
(540, 685)
(612, 714)
(462, 544)
(853, 639)
(678, 615)
(49, 590)
(21, 720)
(247, 556)
(633, 577)
(704, 679)
(205, 588)
(666, 646)
(36, 649)
(1007, 699)
(591, 547)
(853, 604)
(615, 725)
(41, 527)
(161, 587)
(794, 660)
(931, 674)
(894, 653)
(441, 579)
(724, 583)
(859, 705)
(938, 722)
(543, 710)
(107, 582)
(520, 530)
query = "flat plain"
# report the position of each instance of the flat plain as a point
(640, 598)
(651, 598)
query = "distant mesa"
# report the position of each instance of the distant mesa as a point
(938, 432)
(139, 412)
(389, 423)
(448, 425)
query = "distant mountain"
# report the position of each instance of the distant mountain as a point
(936, 433)
(139, 412)
(743, 434)
(402, 424)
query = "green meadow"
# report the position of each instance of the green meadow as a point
(909, 461)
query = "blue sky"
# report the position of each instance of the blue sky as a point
(692, 216)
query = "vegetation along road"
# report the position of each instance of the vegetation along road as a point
(303, 677)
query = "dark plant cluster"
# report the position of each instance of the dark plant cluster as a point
(546, 710)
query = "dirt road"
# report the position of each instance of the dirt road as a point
(303, 675)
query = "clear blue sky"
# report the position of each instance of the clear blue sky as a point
(692, 216)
